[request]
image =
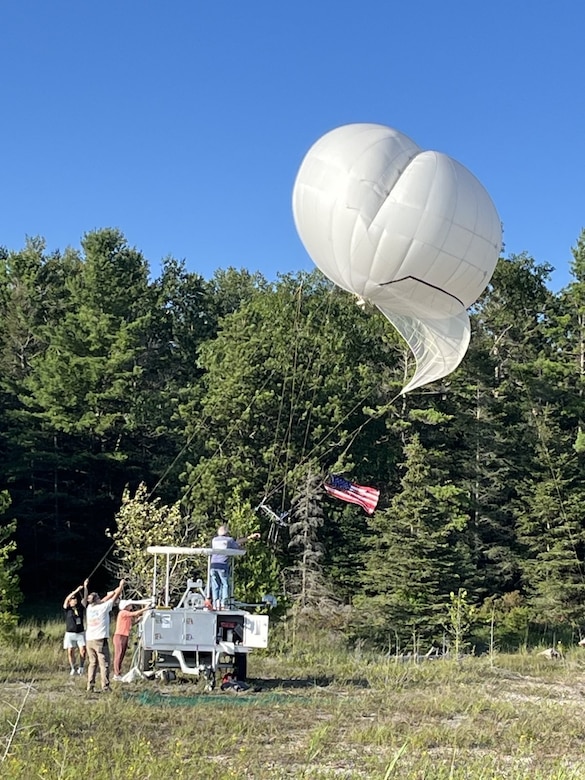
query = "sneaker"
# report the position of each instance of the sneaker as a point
(80, 670)
(72, 672)
(117, 678)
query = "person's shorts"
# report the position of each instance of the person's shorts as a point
(73, 639)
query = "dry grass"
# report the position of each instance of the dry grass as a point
(321, 713)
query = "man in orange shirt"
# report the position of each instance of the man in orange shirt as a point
(126, 619)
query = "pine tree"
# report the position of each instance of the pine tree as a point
(502, 381)
(10, 595)
(306, 583)
(550, 517)
(418, 554)
(551, 528)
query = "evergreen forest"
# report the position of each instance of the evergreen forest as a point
(232, 398)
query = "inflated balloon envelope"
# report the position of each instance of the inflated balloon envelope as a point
(412, 231)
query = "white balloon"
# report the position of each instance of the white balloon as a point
(412, 231)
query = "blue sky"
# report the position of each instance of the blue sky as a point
(184, 122)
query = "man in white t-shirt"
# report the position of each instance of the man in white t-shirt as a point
(97, 633)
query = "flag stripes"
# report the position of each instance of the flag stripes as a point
(339, 487)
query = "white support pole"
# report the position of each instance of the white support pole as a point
(154, 596)
(167, 580)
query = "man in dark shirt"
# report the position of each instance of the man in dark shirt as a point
(74, 637)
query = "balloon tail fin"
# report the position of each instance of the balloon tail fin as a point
(438, 344)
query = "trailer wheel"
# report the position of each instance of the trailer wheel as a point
(210, 681)
(145, 660)
(241, 666)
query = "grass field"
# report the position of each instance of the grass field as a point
(321, 713)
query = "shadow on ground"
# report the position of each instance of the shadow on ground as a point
(307, 682)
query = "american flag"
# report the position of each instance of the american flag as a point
(339, 487)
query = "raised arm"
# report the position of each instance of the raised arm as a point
(242, 540)
(140, 612)
(70, 596)
(114, 594)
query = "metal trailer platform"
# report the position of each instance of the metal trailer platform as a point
(192, 638)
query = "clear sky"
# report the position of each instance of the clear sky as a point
(184, 122)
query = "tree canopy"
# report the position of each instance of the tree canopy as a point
(213, 398)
